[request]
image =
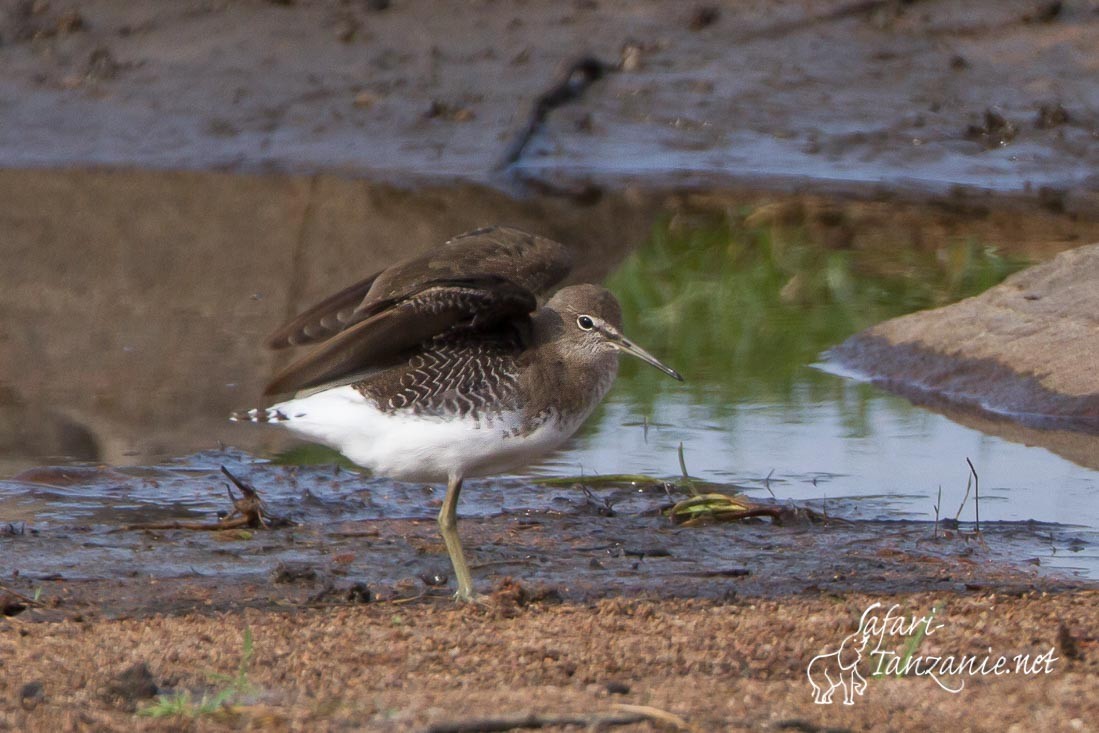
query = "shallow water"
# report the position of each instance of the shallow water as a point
(763, 402)
(745, 313)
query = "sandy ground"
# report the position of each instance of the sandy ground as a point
(718, 638)
(713, 666)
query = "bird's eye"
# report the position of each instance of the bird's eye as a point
(585, 322)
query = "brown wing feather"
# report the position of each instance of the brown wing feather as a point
(532, 262)
(474, 281)
(396, 328)
(327, 318)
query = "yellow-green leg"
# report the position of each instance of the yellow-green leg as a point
(448, 528)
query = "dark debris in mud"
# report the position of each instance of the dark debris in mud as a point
(577, 76)
(249, 512)
(1051, 115)
(11, 604)
(718, 507)
(994, 131)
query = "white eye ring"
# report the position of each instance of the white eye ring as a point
(585, 322)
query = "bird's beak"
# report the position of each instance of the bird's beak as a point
(624, 344)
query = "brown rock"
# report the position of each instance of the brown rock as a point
(1027, 348)
(134, 684)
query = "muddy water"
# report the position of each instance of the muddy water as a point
(744, 303)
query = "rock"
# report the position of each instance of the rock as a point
(1026, 349)
(11, 604)
(31, 694)
(131, 686)
(294, 572)
(617, 687)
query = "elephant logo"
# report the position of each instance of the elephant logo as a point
(874, 648)
(839, 669)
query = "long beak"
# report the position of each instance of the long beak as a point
(624, 344)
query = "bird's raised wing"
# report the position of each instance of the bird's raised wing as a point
(325, 319)
(477, 281)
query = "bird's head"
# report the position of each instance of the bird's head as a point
(591, 323)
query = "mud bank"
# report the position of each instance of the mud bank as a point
(931, 95)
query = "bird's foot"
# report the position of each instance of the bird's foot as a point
(468, 595)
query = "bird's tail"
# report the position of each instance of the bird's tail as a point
(259, 414)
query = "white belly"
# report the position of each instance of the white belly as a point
(410, 447)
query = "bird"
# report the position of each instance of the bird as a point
(452, 365)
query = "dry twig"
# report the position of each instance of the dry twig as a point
(577, 77)
(625, 715)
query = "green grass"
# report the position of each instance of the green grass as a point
(741, 310)
(183, 704)
(912, 645)
(310, 454)
(713, 506)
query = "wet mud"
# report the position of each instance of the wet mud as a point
(151, 322)
(101, 542)
(917, 96)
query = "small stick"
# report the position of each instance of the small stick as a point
(577, 77)
(976, 495)
(654, 713)
(686, 476)
(26, 599)
(938, 503)
(968, 486)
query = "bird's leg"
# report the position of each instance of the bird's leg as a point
(448, 528)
